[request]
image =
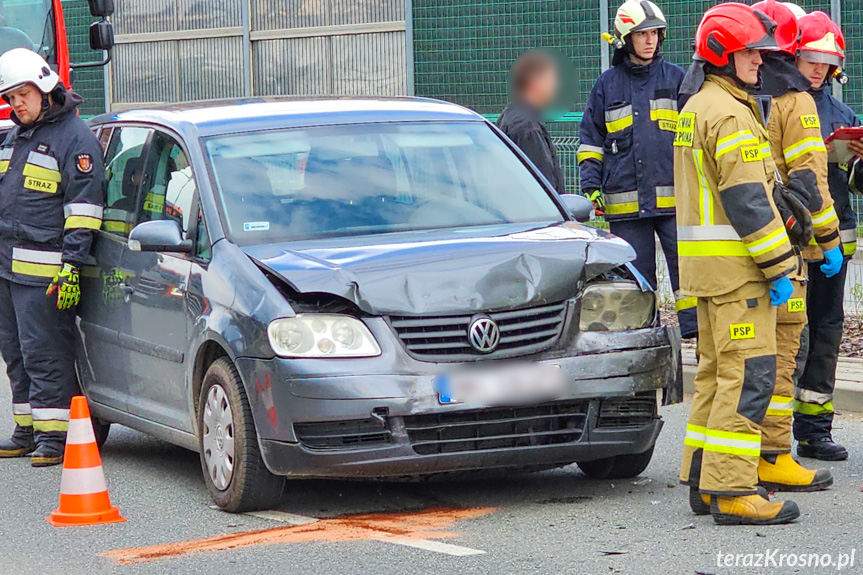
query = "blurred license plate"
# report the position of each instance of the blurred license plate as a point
(509, 384)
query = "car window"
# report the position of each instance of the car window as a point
(105, 138)
(123, 173)
(168, 185)
(332, 181)
(203, 247)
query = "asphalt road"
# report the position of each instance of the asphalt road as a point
(552, 522)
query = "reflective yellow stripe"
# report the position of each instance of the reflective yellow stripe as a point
(582, 156)
(670, 115)
(23, 420)
(83, 222)
(705, 196)
(37, 185)
(804, 146)
(849, 249)
(763, 245)
(685, 303)
(36, 263)
(666, 202)
(813, 408)
(715, 248)
(733, 443)
(695, 435)
(618, 125)
(4, 165)
(734, 141)
(50, 425)
(781, 405)
(627, 208)
(37, 270)
(821, 219)
(42, 173)
(115, 226)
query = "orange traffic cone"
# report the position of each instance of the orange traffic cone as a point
(83, 493)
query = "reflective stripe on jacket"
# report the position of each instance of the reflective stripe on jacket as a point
(729, 231)
(800, 154)
(51, 195)
(626, 139)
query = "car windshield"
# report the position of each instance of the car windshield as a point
(27, 24)
(346, 180)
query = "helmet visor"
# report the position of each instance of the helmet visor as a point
(822, 58)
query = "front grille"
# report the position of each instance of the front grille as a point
(627, 411)
(445, 338)
(350, 434)
(497, 428)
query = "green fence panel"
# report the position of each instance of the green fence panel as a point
(87, 82)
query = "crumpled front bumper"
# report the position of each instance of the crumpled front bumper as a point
(393, 389)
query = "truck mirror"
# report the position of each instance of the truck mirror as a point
(101, 8)
(101, 35)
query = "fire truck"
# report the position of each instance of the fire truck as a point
(38, 25)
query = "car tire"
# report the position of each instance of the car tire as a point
(617, 467)
(101, 429)
(224, 415)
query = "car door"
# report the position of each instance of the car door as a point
(103, 313)
(156, 334)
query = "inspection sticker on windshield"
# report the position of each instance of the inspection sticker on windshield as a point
(256, 226)
(503, 384)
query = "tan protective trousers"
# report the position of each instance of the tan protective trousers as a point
(790, 324)
(733, 386)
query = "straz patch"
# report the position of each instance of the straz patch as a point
(742, 331)
(37, 185)
(796, 304)
(667, 125)
(84, 163)
(685, 129)
(751, 153)
(810, 121)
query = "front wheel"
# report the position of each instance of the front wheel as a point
(234, 471)
(617, 467)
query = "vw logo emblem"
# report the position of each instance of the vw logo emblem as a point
(484, 335)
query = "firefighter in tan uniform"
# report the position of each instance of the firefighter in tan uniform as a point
(735, 257)
(801, 160)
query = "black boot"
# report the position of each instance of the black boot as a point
(46, 455)
(823, 448)
(20, 444)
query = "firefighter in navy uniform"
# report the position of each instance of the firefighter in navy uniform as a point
(625, 156)
(821, 52)
(51, 197)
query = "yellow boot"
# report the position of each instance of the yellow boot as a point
(700, 502)
(751, 510)
(782, 473)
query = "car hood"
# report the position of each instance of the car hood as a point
(448, 272)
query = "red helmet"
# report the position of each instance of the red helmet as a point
(787, 31)
(821, 40)
(730, 28)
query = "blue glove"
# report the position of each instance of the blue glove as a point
(834, 262)
(781, 290)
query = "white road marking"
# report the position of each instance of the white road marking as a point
(430, 545)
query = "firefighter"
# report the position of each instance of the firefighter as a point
(820, 54)
(736, 258)
(51, 196)
(535, 83)
(801, 160)
(625, 154)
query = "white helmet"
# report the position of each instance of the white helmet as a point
(797, 10)
(22, 66)
(636, 16)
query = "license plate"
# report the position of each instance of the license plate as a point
(508, 384)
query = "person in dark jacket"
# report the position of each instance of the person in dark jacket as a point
(821, 52)
(51, 198)
(534, 86)
(625, 156)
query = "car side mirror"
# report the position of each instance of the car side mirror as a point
(101, 35)
(101, 8)
(159, 236)
(580, 207)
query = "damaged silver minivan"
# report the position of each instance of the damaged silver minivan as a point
(381, 288)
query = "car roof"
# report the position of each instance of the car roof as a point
(228, 116)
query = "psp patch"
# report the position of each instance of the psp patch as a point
(796, 304)
(84, 163)
(743, 331)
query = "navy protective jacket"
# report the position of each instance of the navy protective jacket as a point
(51, 194)
(842, 178)
(627, 136)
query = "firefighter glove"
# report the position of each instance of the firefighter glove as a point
(595, 197)
(794, 214)
(68, 287)
(833, 264)
(799, 191)
(781, 290)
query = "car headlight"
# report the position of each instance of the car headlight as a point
(616, 306)
(320, 335)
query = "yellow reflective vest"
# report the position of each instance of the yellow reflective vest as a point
(729, 232)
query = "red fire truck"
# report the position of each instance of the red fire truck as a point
(39, 26)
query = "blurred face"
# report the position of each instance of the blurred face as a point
(747, 63)
(543, 88)
(816, 73)
(26, 102)
(645, 43)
